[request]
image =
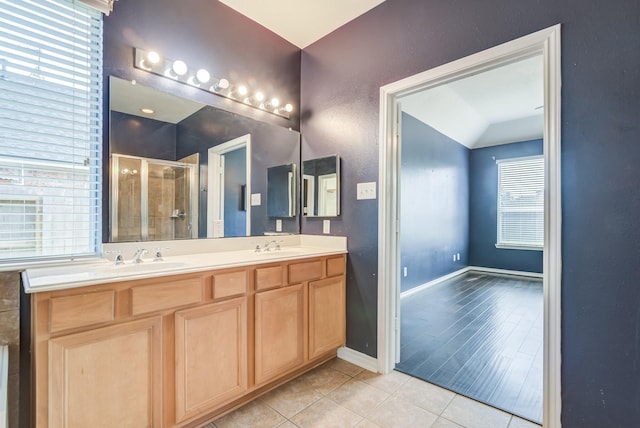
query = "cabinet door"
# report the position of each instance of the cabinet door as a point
(279, 331)
(108, 377)
(211, 356)
(327, 329)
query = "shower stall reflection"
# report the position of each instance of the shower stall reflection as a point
(153, 199)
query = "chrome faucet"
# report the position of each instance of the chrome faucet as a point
(137, 256)
(118, 259)
(267, 246)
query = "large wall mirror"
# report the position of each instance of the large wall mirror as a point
(180, 169)
(321, 187)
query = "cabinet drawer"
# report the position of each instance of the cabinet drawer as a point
(305, 271)
(80, 310)
(335, 266)
(229, 284)
(268, 277)
(157, 297)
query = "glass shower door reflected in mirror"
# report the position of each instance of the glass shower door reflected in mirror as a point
(153, 199)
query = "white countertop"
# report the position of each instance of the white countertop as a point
(80, 274)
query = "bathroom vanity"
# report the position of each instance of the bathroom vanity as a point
(183, 340)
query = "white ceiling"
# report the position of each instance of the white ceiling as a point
(126, 97)
(302, 22)
(499, 106)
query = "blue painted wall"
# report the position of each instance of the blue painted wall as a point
(341, 78)
(483, 206)
(140, 136)
(235, 177)
(270, 146)
(435, 203)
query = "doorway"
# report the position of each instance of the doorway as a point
(229, 184)
(547, 43)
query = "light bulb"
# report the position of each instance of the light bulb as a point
(179, 68)
(288, 108)
(150, 59)
(202, 76)
(242, 90)
(275, 102)
(220, 84)
(259, 96)
(153, 57)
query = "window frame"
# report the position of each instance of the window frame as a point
(511, 245)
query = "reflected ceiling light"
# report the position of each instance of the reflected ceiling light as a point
(146, 110)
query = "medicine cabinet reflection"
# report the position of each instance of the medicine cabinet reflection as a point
(321, 187)
(153, 199)
(281, 191)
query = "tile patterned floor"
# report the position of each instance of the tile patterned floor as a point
(340, 394)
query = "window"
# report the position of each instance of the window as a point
(521, 203)
(50, 129)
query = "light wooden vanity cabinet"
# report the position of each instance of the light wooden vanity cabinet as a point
(181, 350)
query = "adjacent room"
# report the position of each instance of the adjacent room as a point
(472, 235)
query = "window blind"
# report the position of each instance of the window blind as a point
(521, 202)
(50, 129)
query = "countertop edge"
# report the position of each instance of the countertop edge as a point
(28, 289)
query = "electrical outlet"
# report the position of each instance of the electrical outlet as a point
(256, 199)
(405, 272)
(326, 226)
(278, 225)
(366, 190)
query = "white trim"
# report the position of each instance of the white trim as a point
(4, 380)
(465, 270)
(433, 282)
(358, 358)
(547, 42)
(215, 192)
(505, 272)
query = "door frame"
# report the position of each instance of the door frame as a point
(215, 198)
(546, 42)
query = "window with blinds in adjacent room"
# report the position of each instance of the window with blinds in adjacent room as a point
(521, 203)
(50, 130)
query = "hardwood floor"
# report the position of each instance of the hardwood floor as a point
(481, 336)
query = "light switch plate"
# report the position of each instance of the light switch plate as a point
(256, 199)
(326, 226)
(366, 190)
(278, 225)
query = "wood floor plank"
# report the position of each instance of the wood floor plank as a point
(479, 335)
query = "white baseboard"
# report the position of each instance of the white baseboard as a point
(469, 269)
(419, 288)
(505, 271)
(358, 358)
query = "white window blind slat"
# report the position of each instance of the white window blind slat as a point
(50, 129)
(521, 202)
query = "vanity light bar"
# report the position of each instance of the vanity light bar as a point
(153, 62)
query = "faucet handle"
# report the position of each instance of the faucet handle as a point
(257, 250)
(157, 256)
(117, 260)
